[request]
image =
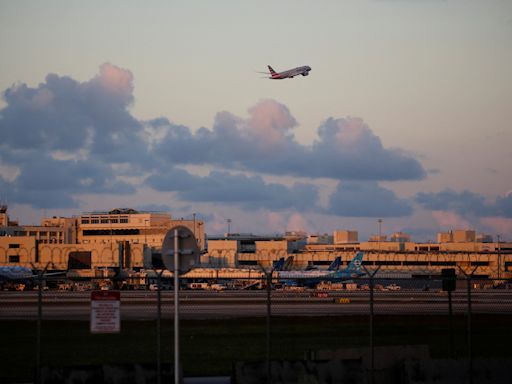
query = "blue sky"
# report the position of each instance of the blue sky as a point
(405, 115)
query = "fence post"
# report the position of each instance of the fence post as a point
(269, 314)
(469, 330)
(449, 284)
(158, 327)
(450, 320)
(372, 347)
(40, 275)
(177, 376)
(39, 318)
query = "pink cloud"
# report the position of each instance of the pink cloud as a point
(115, 79)
(297, 222)
(275, 221)
(353, 132)
(270, 122)
(450, 220)
(500, 225)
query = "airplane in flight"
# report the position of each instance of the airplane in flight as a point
(352, 270)
(288, 74)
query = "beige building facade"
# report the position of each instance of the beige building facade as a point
(124, 238)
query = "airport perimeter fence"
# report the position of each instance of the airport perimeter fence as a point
(367, 329)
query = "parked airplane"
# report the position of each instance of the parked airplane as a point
(10, 275)
(15, 273)
(352, 270)
(290, 73)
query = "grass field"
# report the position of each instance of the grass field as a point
(211, 347)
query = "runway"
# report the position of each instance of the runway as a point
(142, 305)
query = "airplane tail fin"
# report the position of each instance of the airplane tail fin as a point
(288, 263)
(335, 265)
(272, 72)
(279, 265)
(355, 263)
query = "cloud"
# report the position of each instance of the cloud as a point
(504, 206)
(290, 221)
(345, 149)
(297, 222)
(499, 225)
(450, 220)
(63, 138)
(348, 149)
(66, 138)
(48, 183)
(466, 203)
(64, 115)
(250, 192)
(366, 199)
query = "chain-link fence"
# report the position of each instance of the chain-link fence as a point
(259, 330)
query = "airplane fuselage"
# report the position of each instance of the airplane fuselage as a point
(290, 74)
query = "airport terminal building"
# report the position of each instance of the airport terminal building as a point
(125, 238)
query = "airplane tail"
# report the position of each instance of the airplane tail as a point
(355, 263)
(279, 265)
(272, 72)
(335, 265)
(288, 263)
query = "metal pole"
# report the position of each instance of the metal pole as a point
(176, 310)
(499, 258)
(380, 233)
(269, 313)
(470, 343)
(469, 339)
(450, 319)
(194, 216)
(158, 328)
(39, 317)
(372, 346)
(40, 275)
(146, 231)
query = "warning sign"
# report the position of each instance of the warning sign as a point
(105, 317)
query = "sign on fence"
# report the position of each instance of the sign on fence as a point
(105, 317)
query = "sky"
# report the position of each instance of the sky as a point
(159, 106)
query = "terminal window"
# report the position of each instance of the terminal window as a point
(79, 260)
(14, 259)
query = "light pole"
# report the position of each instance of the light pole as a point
(111, 238)
(229, 225)
(194, 218)
(146, 231)
(380, 225)
(499, 257)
